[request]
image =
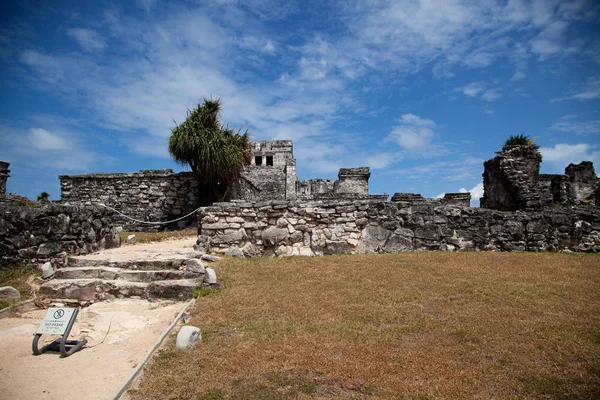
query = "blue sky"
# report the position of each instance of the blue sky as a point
(421, 91)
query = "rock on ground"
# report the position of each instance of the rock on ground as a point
(47, 270)
(188, 336)
(210, 276)
(9, 293)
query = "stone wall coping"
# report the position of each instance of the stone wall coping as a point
(148, 173)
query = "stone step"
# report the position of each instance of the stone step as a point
(142, 265)
(114, 273)
(104, 289)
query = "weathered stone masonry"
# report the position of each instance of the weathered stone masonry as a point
(4, 175)
(151, 195)
(162, 195)
(512, 182)
(284, 228)
(49, 232)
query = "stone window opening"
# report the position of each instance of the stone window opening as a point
(270, 160)
(258, 160)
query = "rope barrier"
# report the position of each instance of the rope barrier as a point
(148, 222)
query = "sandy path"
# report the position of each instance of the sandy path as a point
(119, 334)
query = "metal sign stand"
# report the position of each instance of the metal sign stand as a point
(63, 345)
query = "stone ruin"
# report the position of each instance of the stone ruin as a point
(512, 181)
(560, 212)
(163, 195)
(272, 212)
(4, 175)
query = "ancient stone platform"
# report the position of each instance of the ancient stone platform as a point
(146, 271)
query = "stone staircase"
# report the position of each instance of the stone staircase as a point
(106, 276)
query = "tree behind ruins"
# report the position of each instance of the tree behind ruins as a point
(215, 153)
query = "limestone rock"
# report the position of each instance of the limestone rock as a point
(210, 258)
(9, 293)
(187, 337)
(131, 239)
(272, 235)
(195, 265)
(47, 270)
(210, 276)
(236, 252)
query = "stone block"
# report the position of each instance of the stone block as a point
(47, 270)
(187, 337)
(210, 276)
(9, 293)
(195, 265)
(272, 235)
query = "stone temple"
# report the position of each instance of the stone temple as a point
(163, 195)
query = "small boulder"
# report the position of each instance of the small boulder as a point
(210, 258)
(195, 265)
(47, 270)
(9, 293)
(131, 239)
(235, 251)
(210, 276)
(187, 337)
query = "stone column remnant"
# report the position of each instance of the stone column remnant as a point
(4, 174)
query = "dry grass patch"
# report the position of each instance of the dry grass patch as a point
(147, 237)
(19, 278)
(393, 326)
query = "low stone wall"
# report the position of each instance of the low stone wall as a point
(149, 195)
(283, 228)
(50, 232)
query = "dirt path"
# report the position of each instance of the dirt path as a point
(119, 334)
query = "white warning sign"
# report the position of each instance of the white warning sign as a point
(56, 320)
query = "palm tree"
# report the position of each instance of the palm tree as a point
(519, 140)
(215, 153)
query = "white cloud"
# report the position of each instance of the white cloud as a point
(518, 75)
(478, 90)
(473, 89)
(491, 94)
(88, 39)
(53, 148)
(41, 139)
(589, 91)
(583, 128)
(563, 154)
(480, 60)
(146, 4)
(415, 136)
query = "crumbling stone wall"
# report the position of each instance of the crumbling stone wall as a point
(51, 231)
(282, 228)
(582, 182)
(512, 181)
(351, 183)
(150, 195)
(4, 175)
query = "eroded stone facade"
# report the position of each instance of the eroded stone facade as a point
(29, 232)
(285, 228)
(162, 195)
(512, 182)
(150, 195)
(4, 175)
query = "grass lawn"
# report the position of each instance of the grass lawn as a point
(392, 326)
